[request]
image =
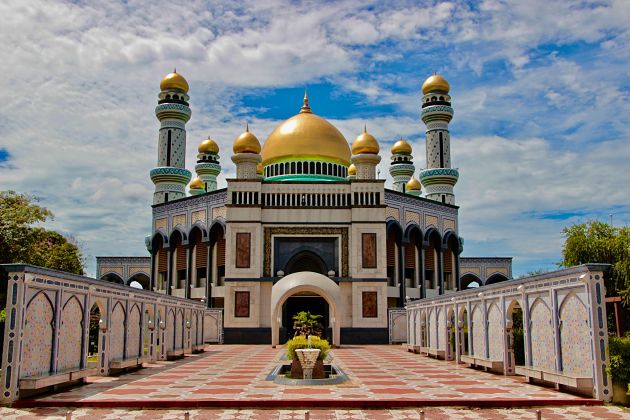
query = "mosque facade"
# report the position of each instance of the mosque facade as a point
(306, 224)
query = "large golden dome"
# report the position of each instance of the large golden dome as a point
(306, 135)
(246, 143)
(365, 143)
(174, 81)
(435, 83)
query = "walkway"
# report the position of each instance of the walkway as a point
(380, 377)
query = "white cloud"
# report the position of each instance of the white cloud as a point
(80, 83)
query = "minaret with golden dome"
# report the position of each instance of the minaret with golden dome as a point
(246, 156)
(207, 166)
(171, 176)
(365, 155)
(401, 169)
(438, 178)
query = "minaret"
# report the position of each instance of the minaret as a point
(401, 168)
(207, 166)
(246, 155)
(365, 156)
(171, 176)
(439, 178)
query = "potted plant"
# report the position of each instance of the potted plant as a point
(301, 342)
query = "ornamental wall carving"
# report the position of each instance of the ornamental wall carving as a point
(306, 231)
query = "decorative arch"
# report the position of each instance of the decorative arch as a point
(496, 278)
(183, 234)
(158, 235)
(468, 279)
(410, 229)
(575, 342)
(117, 335)
(112, 277)
(142, 278)
(38, 333)
(305, 281)
(200, 227)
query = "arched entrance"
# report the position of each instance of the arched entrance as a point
(306, 261)
(307, 302)
(317, 291)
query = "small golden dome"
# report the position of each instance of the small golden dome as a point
(352, 170)
(208, 146)
(196, 184)
(174, 81)
(435, 83)
(402, 147)
(246, 143)
(259, 169)
(365, 143)
(413, 184)
(306, 135)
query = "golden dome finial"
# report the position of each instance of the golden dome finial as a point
(402, 147)
(208, 146)
(413, 184)
(435, 83)
(174, 80)
(365, 143)
(305, 106)
(246, 143)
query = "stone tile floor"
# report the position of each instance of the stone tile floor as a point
(580, 412)
(237, 373)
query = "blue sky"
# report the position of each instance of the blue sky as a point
(540, 91)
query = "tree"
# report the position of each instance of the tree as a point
(597, 242)
(305, 323)
(21, 242)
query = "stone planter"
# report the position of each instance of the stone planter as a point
(620, 393)
(297, 373)
(307, 358)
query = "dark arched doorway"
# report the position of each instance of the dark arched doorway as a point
(306, 261)
(304, 301)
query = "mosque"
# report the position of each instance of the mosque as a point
(306, 224)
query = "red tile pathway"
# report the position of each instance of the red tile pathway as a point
(234, 376)
(432, 413)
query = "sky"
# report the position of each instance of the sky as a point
(540, 89)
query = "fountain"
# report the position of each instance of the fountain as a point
(307, 358)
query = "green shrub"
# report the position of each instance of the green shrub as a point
(301, 342)
(619, 352)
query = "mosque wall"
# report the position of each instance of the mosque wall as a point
(561, 316)
(62, 328)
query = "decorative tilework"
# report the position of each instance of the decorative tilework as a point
(198, 216)
(133, 333)
(117, 333)
(38, 336)
(70, 336)
(449, 224)
(161, 224)
(543, 347)
(179, 220)
(179, 330)
(500, 270)
(412, 216)
(430, 221)
(117, 270)
(170, 330)
(441, 326)
(479, 338)
(219, 212)
(495, 334)
(574, 338)
(392, 212)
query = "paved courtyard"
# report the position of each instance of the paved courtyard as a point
(234, 376)
(558, 413)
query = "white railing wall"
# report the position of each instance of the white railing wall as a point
(47, 329)
(564, 328)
